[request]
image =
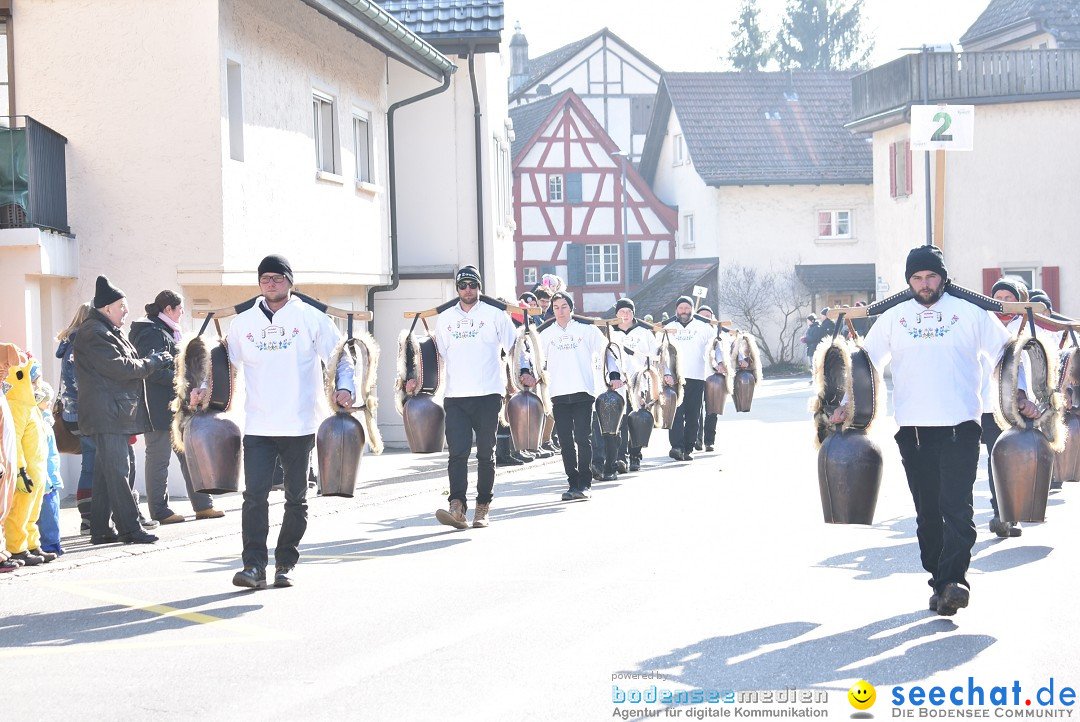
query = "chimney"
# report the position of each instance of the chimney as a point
(519, 58)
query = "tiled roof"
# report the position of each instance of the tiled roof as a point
(527, 120)
(838, 277)
(659, 294)
(762, 128)
(1060, 18)
(544, 64)
(448, 22)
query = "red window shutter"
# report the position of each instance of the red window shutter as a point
(892, 170)
(1051, 284)
(907, 179)
(990, 277)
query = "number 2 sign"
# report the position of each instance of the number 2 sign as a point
(942, 127)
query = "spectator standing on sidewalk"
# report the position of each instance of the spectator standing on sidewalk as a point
(112, 406)
(69, 399)
(160, 331)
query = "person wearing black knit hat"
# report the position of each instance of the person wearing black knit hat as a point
(638, 344)
(691, 337)
(110, 377)
(471, 337)
(935, 343)
(1007, 290)
(282, 344)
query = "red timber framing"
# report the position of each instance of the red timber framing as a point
(552, 231)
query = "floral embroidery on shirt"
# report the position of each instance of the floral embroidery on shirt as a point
(273, 339)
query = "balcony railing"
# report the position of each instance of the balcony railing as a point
(33, 175)
(965, 77)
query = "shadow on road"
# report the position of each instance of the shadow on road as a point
(722, 663)
(108, 623)
(1009, 557)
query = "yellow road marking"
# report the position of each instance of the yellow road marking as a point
(242, 631)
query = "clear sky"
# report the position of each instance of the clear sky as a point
(681, 35)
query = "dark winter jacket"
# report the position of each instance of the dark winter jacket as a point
(813, 337)
(68, 393)
(110, 374)
(150, 335)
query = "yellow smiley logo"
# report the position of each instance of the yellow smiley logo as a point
(862, 695)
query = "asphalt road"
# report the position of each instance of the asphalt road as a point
(715, 575)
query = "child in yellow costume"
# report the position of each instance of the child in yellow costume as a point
(20, 527)
(9, 468)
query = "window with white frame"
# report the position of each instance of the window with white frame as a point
(234, 98)
(688, 238)
(1027, 275)
(678, 150)
(555, 187)
(834, 224)
(528, 276)
(602, 263)
(322, 107)
(362, 143)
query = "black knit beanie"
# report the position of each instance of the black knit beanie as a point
(469, 273)
(276, 264)
(684, 299)
(925, 258)
(1006, 284)
(625, 303)
(565, 296)
(106, 293)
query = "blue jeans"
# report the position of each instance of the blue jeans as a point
(84, 491)
(260, 459)
(940, 462)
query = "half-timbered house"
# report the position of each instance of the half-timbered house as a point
(582, 210)
(616, 82)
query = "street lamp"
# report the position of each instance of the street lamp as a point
(622, 157)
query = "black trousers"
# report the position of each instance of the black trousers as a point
(573, 420)
(990, 433)
(684, 427)
(940, 462)
(261, 455)
(466, 416)
(114, 467)
(707, 433)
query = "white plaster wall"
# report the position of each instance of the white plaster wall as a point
(1009, 202)
(272, 199)
(143, 151)
(436, 172)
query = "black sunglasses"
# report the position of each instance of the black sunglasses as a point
(468, 284)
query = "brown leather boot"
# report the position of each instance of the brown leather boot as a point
(480, 516)
(455, 517)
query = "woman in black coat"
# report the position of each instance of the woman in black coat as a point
(160, 331)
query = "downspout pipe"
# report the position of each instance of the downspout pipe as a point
(395, 274)
(477, 116)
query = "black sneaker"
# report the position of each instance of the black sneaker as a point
(251, 577)
(621, 467)
(675, 454)
(138, 537)
(686, 456)
(107, 538)
(581, 494)
(698, 446)
(610, 476)
(934, 599)
(281, 577)
(28, 559)
(952, 597)
(47, 556)
(709, 447)
(597, 472)
(148, 523)
(508, 461)
(635, 464)
(568, 495)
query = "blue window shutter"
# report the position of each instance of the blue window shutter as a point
(546, 270)
(633, 264)
(575, 262)
(573, 188)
